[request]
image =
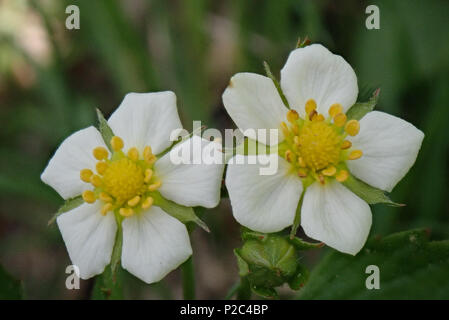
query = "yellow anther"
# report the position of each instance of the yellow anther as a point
(147, 203)
(134, 201)
(147, 152)
(133, 154)
(89, 196)
(148, 175)
(105, 197)
(289, 155)
(310, 106)
(284, 128)
(335, 109)
(154, 186)
(340, 119)
(329, 171)
(126, 212)
(301, 162)
(85, 175)
(117, 143)
(352, 127)
(101, 167)
(96, 180)
(100, 153)
(292, 115)
(312, 114)
(152, 159)
(318, 117)
(321, 179)
(342, 176)
(346, 145)
(302, 173)
(106, 208)
(355, 154)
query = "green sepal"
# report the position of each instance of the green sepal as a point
(105, 129)
(276, 83)
(182, 213)
(248, 234)
(360, 109)
(242, 265)
(300, 278)
(68, 205)
(304, 245)
(117, 250)
(265, 292)
(197, 131)
(368, 193)
(297, 220)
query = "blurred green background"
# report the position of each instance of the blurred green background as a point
(52, 79)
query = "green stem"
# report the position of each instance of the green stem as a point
(188, 280)
(244, 291)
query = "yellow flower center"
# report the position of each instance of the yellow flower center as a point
(123, 182)
(316, 146)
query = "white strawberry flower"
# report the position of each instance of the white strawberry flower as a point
(119, 186)
(318, 148)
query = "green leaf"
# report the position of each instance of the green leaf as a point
(10, 288)
(410, 267)
(243, 266)
(105, 129)
(368, 193)
(108, 286)
(117, 250)
(360, 109)
(183, 214)
(68, 205)
(276, 83)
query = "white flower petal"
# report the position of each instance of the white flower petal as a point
(89, 237)
(390, 146)
(154, 243)
(146, 119)
(188, 183)
(74, 154)
(264, 203)
(316, 73)
(253, 102)
(335, 216)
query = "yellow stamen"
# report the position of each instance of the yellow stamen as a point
(329, 171)
(288, 155)
(100, 153)
(106, 208)
(152, 159)
(335, 109)
(318, 117)
(355, 154)
(134, 201)
(340, 120)
(101, 167)
(147, 203)
(126, 212)
(147, 152)
(148, 175)
(117, 143)
(85, 175)
(133, 154)
(352, 127)
(310, 106)
(342, 176)
(292, 115)
(96, 180)
(284, 128)
(312, 114)
(296, 140)
(88, 196)
(321, 179)
(154, 186)
(301, 162)
(105, 197)
(346, 145)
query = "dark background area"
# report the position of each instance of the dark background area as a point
(52, 79)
